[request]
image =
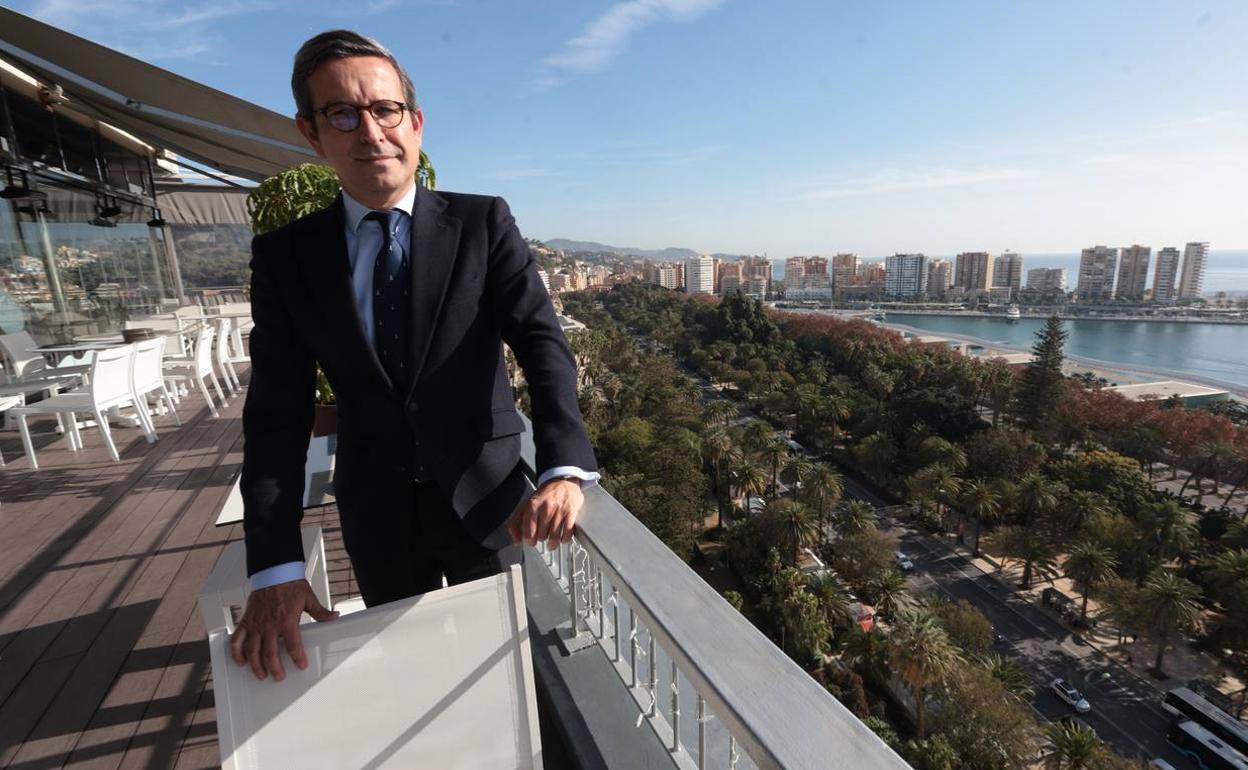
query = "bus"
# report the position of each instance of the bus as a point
(1184, 703)
(1196, 742)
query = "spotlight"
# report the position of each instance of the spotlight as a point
(108, 208)
(100, 221)
(157, 220)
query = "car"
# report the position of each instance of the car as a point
(904, 562)
(1066, 691)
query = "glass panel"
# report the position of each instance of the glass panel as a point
(61, 277)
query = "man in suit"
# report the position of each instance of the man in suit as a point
(404, 297)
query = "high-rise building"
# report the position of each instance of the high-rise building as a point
(845, 270)
(700, 275)
(756, 270)
(1007, 272)
(665, 274)
(1164, 274)
(1046, 279)
(796, 267)
(874, 274)
(973, 271)
(1096, 274)
(727, 271)
(1132, 272)
(939, 277)
(905, 275)
(1194, 256)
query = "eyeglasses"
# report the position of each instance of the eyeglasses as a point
(346, 117)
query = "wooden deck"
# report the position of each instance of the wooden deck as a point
(103, 656)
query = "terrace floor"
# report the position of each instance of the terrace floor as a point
(103, 656)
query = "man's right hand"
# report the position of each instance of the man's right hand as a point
(271, 614)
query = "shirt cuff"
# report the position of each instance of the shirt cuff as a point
(282, 573)
(588, 478)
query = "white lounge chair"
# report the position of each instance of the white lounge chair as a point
(148, 377)
(109, 387)
(197, 370)
(21, 365)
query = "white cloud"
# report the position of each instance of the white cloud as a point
(606, 36)
(894, 180)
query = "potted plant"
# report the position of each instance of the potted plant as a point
(294, 193)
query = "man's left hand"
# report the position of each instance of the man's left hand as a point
(549, 514)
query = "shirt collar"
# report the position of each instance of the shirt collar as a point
(356, 211)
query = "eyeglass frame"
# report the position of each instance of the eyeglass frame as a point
(402, 108)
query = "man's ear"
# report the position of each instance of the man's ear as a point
(308, 129)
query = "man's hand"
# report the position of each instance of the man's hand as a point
(273, 613)
(549, 514)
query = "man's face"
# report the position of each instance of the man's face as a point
(376, 165)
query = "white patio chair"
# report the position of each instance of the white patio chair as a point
(221, 355)
(7, 403)
(148, 378)
(109, 388)
(21, 365)
(197, 371)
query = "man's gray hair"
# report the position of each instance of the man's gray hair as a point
(339, 44)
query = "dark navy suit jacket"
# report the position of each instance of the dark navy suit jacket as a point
(474, 286)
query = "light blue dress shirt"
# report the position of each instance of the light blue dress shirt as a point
(367, 240)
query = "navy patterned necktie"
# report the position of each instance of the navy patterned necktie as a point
(391, 288)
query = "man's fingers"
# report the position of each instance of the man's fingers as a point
(318, 611)
(236, 644)
(544, 515)
(513, 526)
(294, 646)
(253, 656)
(530, 524)
(272, 661)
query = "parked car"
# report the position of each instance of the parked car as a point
(1067, 692)
(904, 563)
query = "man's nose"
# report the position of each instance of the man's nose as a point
(369, 131)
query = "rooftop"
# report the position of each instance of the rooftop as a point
(1167, 388)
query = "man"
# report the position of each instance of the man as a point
(403, 296)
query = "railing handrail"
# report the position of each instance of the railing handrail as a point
(780, 715)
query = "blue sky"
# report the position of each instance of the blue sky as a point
(783, 127)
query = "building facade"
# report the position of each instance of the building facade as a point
(1194, 256)
(846, 270)
(1046, 279)
(1007, 272)
(666, 274)
(905, 275)
(1132, 272)
(1096, 274)
(973, 271)
(939, 277)
(1165, 274)
(700, 275)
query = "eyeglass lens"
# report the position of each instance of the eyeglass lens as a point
(346, 117)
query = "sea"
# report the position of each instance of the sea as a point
(1211, 352)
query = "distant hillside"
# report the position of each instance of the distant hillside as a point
(670, 254)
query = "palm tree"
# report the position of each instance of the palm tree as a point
(945, 485)
(1228, 573)
(719, 449)
(1171, 526)
(982, 503)
(889, 591)
(799, 467)
(795, 524)
(774, 452)
(751, 480)
(1075, 748)
(1079, 506)
(1011, 674)
(1171, 606)
(1215, 458)
(855, 516)
(1090, 566)
(920, 651)
(866, 652)
(1026, 545)
(834, 598)
(1037, 497)
(826, 488)
(721, 411)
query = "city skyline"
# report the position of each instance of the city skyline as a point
(875, 130)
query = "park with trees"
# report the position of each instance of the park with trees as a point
(1052, 473)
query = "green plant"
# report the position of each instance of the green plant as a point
(297, 192)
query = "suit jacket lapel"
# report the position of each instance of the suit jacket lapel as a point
(334, 295)
(433, 250)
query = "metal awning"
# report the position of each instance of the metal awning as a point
(164, 109)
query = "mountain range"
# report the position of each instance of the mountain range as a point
(670, 254)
